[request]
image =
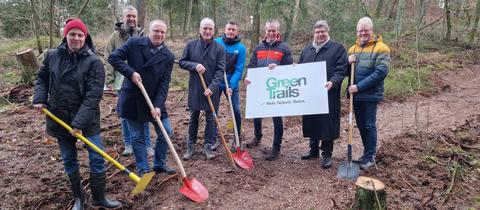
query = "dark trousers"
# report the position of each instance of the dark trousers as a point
(193, 127)
(277, 130)
(366, 118)
(326, 147)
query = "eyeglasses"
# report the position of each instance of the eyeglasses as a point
(364, 30)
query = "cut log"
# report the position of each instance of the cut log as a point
(29, 65)
(370, 194)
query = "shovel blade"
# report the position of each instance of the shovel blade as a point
(348, 170)
(243, 159)
(142, 184)
(194, 190)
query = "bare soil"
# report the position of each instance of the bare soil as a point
(427, 160)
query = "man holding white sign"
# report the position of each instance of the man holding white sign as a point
(325, 127)
(271, 52)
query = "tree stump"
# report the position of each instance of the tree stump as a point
(29, 66)
(370, 194)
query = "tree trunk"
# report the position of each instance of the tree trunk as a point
(184, 23)
(448, 20)
(473, 30)
(50, 33)
(292, 22)
(370, 194)
(82, 8)
(214, 14)
(170, 19)
(255, 25)
(378, 8)
(36, 25)
(422, 11)
(114, 3)
(399, 20)
(141, 8)
(28, 65)
(189, 17)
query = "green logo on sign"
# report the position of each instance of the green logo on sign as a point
(284, 88)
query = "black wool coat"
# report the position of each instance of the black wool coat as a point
(213, 58)
(326, 127)
(71, 85)
(155, 71)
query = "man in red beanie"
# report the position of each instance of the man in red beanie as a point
(70, 85)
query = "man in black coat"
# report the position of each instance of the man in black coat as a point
(325, 127)
(69, 84)
(150, 62)
(207, 57)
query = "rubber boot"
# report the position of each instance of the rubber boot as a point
(97, 186)
(77, 191)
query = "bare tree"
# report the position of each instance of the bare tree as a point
(82, 8)
(378, 8)
(448, 20)
(473, 30)
(292, 22)
(50, 42)
(256, 24)
(140, 4)
(186, 27)
(399, 20)
(36, 25)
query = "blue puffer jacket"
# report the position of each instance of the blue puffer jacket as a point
(236, 54)
(371, 69)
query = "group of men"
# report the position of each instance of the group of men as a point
(71, 79)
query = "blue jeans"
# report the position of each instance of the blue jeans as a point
(236, 110)
(139, 147)
(128, 139)
(277, 130)
(193, 128)
(69, 154)
(366, 117)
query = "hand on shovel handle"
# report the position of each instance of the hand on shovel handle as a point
(192, 188)
(219, 127)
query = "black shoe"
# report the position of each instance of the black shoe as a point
(165, 169)
(97, 187)
(77, 191)
(326, 162)
(254, 142)
(273, 154)
(311, 154)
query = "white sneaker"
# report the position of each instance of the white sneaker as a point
(150, 152)
(128, 150)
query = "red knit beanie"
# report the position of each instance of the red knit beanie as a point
(72, 23)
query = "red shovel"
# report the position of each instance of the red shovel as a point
(220, 131)
(192, 188)
(242, 158)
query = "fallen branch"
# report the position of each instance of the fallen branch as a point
(408, 183)
(452, 182)
(167, 178)
(118, 170)
(425, 26)
(5, 99)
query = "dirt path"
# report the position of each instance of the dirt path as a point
(32, 173)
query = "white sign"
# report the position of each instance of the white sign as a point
(287, 90)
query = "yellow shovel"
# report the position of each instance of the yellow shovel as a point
(142, 183)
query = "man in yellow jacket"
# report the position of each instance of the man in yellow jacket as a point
(372, 60)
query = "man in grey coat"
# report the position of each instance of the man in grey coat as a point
(325, 127)
(207, 57)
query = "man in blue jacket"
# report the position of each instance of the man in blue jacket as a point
(150, 62)
(235, 53)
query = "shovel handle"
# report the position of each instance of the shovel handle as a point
(164, 132)
(232, 162)
(237, 140)
(350, 113)
(93, 146)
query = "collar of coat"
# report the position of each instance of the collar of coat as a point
(151, 59)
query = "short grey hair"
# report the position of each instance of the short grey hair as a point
(365, 21)
(272, 21)
(129, 8)
(157, 21)
(321, 24)
(206, 21)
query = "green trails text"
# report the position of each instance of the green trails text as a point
(284, 88)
